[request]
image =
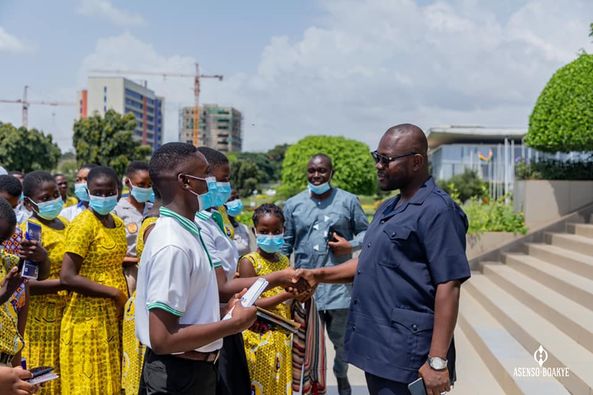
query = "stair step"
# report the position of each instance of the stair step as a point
(570, 317)
(473, 377)
(585, 230)
(573, 286)
(501, 352)
(575, 262)
(576, 243)
(533, 330)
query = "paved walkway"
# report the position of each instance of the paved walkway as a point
(355, 375)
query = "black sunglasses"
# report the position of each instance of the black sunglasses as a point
(386, 160)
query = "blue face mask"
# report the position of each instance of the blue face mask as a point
(102, 205)
(142, 195)
(81, 192)
(152, 197)
(223, 193)
(207, 199)
(319, 189)
(234, 207)
(270, 243)
(49, 210)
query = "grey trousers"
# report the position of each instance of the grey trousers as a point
(335, 323)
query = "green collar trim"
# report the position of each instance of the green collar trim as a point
(188, 225)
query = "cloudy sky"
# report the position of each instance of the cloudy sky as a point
(300, 67)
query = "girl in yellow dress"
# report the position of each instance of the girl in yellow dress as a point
(11, 341)
(48, 297)
(133, 350)
(269, 352)
(90, 347)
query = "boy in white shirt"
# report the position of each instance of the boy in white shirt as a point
(177, 304)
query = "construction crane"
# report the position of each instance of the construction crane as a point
(197, 76)
(26, 103)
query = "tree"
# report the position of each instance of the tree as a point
(27, 149)
(276, 157)
(562, 119)
(353, 165)
(467, 185)
(108, 141)
(244, 176)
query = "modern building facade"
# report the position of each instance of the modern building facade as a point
(491, 152)
(125, 96)
(219, 127)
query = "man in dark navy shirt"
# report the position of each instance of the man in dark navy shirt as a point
(407, 279)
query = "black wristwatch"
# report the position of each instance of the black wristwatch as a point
(437, 363)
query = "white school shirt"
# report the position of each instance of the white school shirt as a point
(222, 249)
(176, 275)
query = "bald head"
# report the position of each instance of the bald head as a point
(408, 137)
(401, 158)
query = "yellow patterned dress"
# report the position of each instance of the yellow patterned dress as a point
(269, 355)
(133, 350)
(11, 341)
(90, 346)
(42, 335)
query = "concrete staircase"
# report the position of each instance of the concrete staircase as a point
(537, 294)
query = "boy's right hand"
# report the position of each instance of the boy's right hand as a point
(244, 316)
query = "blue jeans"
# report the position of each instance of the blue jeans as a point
(335, 322)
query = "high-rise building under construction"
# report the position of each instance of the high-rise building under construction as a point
(219, 127)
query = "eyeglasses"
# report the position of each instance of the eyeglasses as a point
(386, 160)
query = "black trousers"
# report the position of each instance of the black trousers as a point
(233, 372)
(167, 374)
(380, 386)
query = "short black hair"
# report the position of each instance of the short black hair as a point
(135, 166)
(7, 213)
(215, 158)
(323, 156)
(103, 171)
(34, 180)
(267, 208)
(168, 157)
(56, 175)
(11, 185)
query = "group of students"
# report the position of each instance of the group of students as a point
(131, 289)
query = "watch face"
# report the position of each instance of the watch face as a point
(437, 363)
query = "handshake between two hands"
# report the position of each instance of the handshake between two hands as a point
(300, 282)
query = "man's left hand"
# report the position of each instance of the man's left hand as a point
(435, 381)
(341, 246)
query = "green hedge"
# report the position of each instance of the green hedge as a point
(554, 170)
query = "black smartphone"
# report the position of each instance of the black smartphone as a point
(331, 232)
(30, 269)
(417, 387)
(41, 370)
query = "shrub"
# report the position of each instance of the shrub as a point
(562, 119)
(353, 165)
(554, 170)
(493, 216)
(466, 185)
